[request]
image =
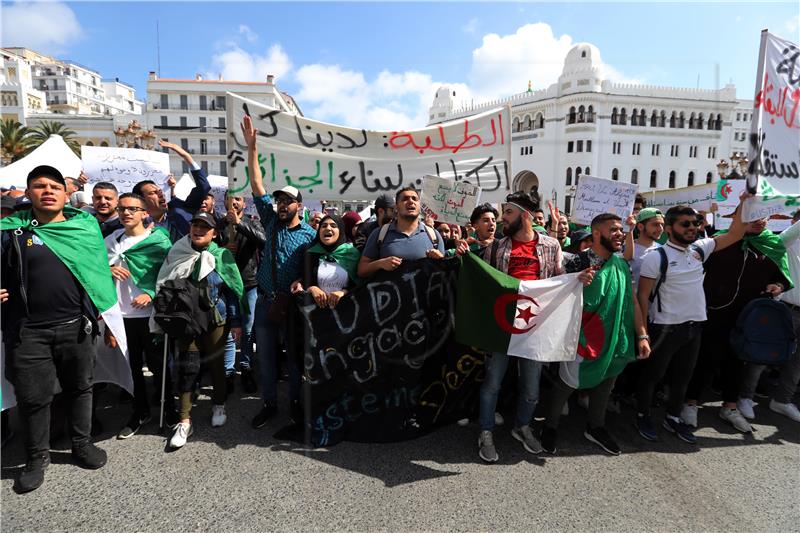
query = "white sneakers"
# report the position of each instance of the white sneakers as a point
(689, 415)
(745, 406)
(735, 418)
(787, 409)
(218, 416)
(182, 432)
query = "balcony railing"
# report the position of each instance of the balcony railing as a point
(187, 107)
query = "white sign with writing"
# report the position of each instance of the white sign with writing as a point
(700, 197)
(125, 167)
(219, 184)
(775, 128)
(328, 162)
(595, 196)
(449, 201)
(769, 202)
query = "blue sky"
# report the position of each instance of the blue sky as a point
(377, 64)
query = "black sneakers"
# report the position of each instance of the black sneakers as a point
(548, 438)
(133, 425)
(601, 437)
(89, 456)
(268, 411)
(32, 475)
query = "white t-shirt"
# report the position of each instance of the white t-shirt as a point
(639, 252)
(791, 240)
(117, 243)
(681, 294)
(331, 276)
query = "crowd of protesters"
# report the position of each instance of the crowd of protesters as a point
(683, 286)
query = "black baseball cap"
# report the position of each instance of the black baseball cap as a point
(384, 201)
(205, 217)
(48, 172)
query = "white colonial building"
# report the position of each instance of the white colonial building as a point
(191, 113)
(657, 137)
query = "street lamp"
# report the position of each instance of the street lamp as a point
(134, 137)
(738, 167)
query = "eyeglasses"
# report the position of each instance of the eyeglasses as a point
(688, 223)
(132, 209)
(285, 200)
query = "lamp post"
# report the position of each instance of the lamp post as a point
(737, 166)
(134, 137)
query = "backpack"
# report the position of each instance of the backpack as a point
(182, 309)
(662, 253)
(764, 333)
(429, 230)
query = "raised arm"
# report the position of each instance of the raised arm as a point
(736, 231)
(630, 244)
(178, 150)
(250, 136)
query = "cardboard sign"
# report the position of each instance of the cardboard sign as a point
(596, 196)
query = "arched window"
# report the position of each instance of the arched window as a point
(614, 116)
(577, 174)
(711, 121)
(662, 119)
(642, 118)
(590, 114)
(539, 122)
(634, 176)
(653, 179)
(692, 123)
(673, 120)
(581, 114)
(700, 121)
(588, 171)
(634, 117)
(569, 176)
(571, 117)
(89, 143)
(682, 121)
(623, 118)
(615, 174)
(516, 124)
(709, 177)
(528, 125)
(718, 125)
(672, 179)
(104, 143)
(654, 119)
(690, 179)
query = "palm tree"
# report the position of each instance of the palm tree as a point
(46, 128)
(16, 140)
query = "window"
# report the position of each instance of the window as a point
(185, 144)
(672, 179)
(539, 122)
(690, 179)
(642, 118)
(590, 114)
(184, 167)
(223, 168)
(588, 171)
(615, 174)
(164, 101)
(718, 123)
(588, 146)
(183, 122)
(691, 121)
(709, 177)
(634, 176)
(163, 121)
(654, 119)
(581, 114)
(616, 148)
(184, 102)
(712, 152)
(738, 117)
(203, 146)
(203, 102)
(223, 147)
(662, 119)
(577, 174)
(614, 116)
(571, 116)
(220, 103)
(221, 123)
(700, 121)
(204, 166)
(202, 123)
(682, 120)
(570, 146)
(634, 118)
(637, 147)
(623, 118)
(653, 179)
(580, 146)
(89, 143)
(654, 150)
(516, 124)
(693, 151)
(103, 143)
(569, 176)
(165, 149)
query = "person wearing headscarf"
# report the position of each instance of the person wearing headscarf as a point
(350, 219)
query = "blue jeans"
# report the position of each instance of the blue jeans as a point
(268, 334)
(527, 396)
(247, 341)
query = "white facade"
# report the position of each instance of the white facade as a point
(18, 98)
(658, 137)
(191, 114)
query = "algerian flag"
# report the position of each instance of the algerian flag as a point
(78, 243)
(607, 332)
(537, 320)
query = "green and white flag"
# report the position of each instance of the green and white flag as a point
(537, 320)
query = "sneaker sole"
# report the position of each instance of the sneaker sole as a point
(787, 415)
(213, 425)
(525, 444)
(592, 439)
(486, 459)
(120, 436)
(681, 437)
(740, 430)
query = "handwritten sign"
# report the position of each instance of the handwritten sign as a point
(125, 167)
(775, 128)
(333, 162)
(449, 201)
(595, 196)
(769, 202)
(699, 197)
(219, 184)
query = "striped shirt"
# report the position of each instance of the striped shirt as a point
(290, 249)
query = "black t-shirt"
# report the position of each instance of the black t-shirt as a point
(54, 295)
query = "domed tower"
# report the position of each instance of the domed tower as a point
(442, 104)
(583, 69)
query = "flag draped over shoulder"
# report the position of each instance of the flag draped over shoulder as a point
(607, 329)
(537, 320)
(144, 260)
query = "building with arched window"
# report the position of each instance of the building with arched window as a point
(611, 121)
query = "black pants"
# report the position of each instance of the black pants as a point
(143, 347)
(716, 354)
(675, 349)
(598, 401)
(41, 356)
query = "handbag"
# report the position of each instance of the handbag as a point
(279, 310)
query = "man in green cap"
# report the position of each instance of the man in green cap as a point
(650, 225)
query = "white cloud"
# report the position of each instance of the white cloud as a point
(235, 63)
(48, 27)
(247, 33)
(792, 25)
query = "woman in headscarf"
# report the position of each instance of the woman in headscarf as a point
(350, 219)
(330, 264)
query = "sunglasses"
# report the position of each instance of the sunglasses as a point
(131, 209)
(689, 223)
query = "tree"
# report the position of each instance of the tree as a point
(46, 128)
(16, 140)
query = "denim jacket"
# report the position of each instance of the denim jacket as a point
(225, 299)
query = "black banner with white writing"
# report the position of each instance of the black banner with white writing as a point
(382, 366)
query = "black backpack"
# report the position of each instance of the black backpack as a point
(764, 333)
(182, 309)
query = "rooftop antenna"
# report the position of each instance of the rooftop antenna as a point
(158, 49)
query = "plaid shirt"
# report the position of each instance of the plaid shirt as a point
(548, 250)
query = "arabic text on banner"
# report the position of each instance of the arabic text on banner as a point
(125, 167)
(333, 162)
(449, 201)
